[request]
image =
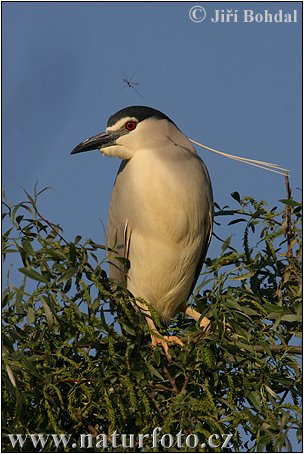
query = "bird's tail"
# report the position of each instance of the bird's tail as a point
(253, 162)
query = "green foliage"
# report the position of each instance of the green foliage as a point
(77, 357)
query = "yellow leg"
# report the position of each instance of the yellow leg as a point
(204, 323)
(158, 339)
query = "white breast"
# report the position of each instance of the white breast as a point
(165, 198)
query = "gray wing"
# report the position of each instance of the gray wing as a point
(118, 236)
(203, 253)
(209, 229)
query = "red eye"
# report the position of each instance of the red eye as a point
(130, 125)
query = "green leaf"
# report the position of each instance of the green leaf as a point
(47, 310)
(290, 202)
(67, 274)
(47, 188)
(226, 243)
(33, 275)
(28, 247)
(242, 277)
(291, 318)
(236, 221)
(30, 313)
(249, 311)
(29, 197)
(225, 213)
(271, 392)
(154, 371)
(128, 329)
(236, 196)
(95, 305)
(255, 400)
(19, 296)
(264, 441)
(73, 254)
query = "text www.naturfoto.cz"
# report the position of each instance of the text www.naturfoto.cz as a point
(87, 441)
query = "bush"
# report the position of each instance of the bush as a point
(77, 357)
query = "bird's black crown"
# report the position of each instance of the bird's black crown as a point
(138, 112)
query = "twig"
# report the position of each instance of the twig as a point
(159, 387)
(243, 213)
(185, 384)
(296, 350)
(158, 409)
(223, 241)
(49, 224)
(258, 217)
(171, 380)
(289, 232)
(281, 348)
(284, 396)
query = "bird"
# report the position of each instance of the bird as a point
(160, 214)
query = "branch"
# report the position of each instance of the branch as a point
(49, 223)
(171, 380)
(279, 348)
(258, 217)
(289, 232)
(223, 241)
(185, 384)
(251, 215)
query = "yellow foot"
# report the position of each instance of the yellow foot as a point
(164, 341)
(205, 324)
(228, 328)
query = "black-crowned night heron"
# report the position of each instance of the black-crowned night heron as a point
(161, 212)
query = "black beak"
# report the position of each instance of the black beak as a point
(101, 140)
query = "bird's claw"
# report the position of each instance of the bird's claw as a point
(205, 324)
(165, 341)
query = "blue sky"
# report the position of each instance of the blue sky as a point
(233, 86)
